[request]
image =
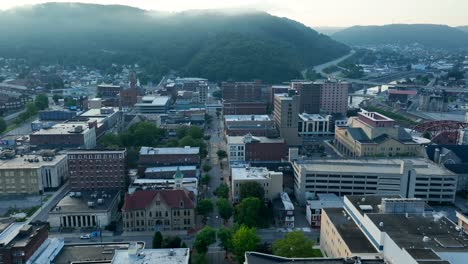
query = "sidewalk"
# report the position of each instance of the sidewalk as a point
(151, 233)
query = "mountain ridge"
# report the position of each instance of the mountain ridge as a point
(430, 35)
(192, 42)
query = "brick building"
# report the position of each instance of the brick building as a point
(257, 125)
(309, 96)
(97, 169)
(66, 135)
(19, 241)
(245, 108)
(154, 210)
(158, 157)
(249, 148)
(334, 97)
(243, 91)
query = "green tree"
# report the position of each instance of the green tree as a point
(251, 189)
(157, 240)
(218, 94)
(206, 167)
(187, 141)
(204, 207)
(205, 180)
(222, 191)
(295, 245)
(225, 236)
(110, 141)
(56, 98)
(41, 102)
(172, 242)
(198, 258)
(195, 132)
(204, 238)
(3, 125)
(247, 212)
(224, 208)
(221, 154)
(245, 239)
(181, 132)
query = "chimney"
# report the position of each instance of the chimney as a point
(437, 155)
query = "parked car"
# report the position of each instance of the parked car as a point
(87, 236)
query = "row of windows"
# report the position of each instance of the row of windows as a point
(96, 156)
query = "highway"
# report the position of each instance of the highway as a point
(319, 68)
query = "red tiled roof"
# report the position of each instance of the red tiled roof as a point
(407, 92)
(142, 199)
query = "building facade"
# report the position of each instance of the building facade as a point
(32, 174)
(409, 178)
(271, 181)
(160, 157)
(309, 96)
(66, 135)
(97, 169)
(334, 97)
(285, 115)
(158, 210)
(257, 125)
(373, 134)
(20, 241)
(315, 125)
(250, 149)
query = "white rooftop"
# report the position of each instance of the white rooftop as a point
(63, 128)
(29, 161)
(312, 117)
(288, 205)
(10, 233)
(380, 166)
(170, 168)
(154, 100)
(165, 256)
(247, 118)
(169, 151)
(250, 173)
(242, 139)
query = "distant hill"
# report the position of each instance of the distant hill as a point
(328, 30)
(464, 28)
(218, 45)
(435, 36)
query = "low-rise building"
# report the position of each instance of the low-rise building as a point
(154, 210)
(400, 229)
(409, 178)
(32, 174)
(160, 157)
(245, 108)
(315, 125)
(373, 134)
(168, 172)
(153, 105)
(284, 211)
(271, 181)
(257, 125)
(86, 209)
(97, 169)
(261, 258)
(186, 183)
(19, 241)
(160, 255)
(66, 135)
(320, 201)
(250, 148)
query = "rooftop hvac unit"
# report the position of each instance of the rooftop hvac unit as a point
(90, 204)
(100, 201)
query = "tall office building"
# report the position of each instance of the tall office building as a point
(309, 96)
(285, 114)
(334, 97)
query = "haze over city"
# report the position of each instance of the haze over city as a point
(336, 13)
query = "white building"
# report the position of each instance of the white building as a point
(271, 181)
(160, 255)
(403, 232)
(313, 125)
(85, 209)
(153, 105)
(409, 178)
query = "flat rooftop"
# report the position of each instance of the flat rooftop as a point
(232, 118)
(241, 139)
(250, 173)
(260, 258)
(64, 128)
(166, 256)
(30, 162)
(408, 232)
(92, 252)
(325, 200)
(170, 169)
(373, 166)
(374, 116)
(370, 200)
(351, 234)
(154, 101)
(101, 112)
(9, 233)
(169, 151)
(312, 117)
(78, 202)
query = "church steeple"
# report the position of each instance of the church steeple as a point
(178, 179)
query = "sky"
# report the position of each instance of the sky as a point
(333, 13)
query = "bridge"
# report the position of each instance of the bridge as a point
(362, 95)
